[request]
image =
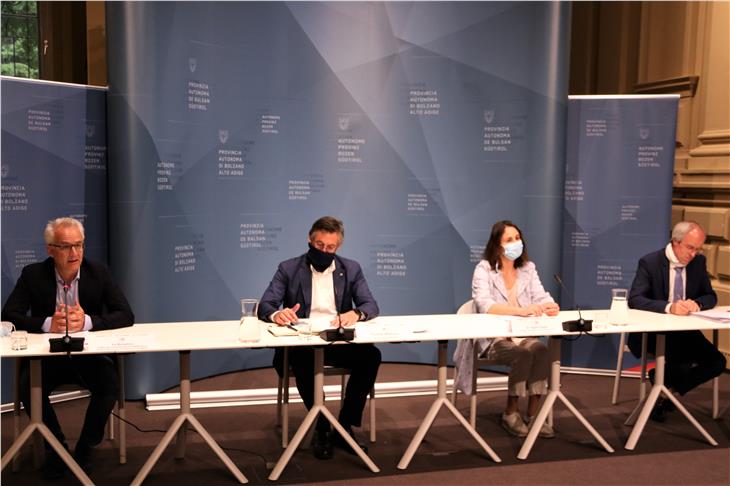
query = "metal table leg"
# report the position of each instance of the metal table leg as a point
(441, 401)
(650, 402)
(178, 428)
(549, 402)
(311, 416)
(36, 425)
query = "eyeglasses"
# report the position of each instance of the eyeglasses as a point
(692, 249)
(66, 247)
(325, 248)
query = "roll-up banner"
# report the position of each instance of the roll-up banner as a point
(618, 203)
(53, 164)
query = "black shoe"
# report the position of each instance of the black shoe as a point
(83, 455)
(652, 372)
(53, 466)
(660, 410)
(340, 443)
(322, 444)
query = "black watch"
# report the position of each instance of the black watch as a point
(360, 314)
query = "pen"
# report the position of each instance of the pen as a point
(292, 327)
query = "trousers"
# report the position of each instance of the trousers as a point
(97, 373)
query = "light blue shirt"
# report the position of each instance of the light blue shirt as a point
(73, 298)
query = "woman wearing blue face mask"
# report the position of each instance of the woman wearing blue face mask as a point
(505, 282)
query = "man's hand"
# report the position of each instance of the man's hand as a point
(58, 320)
(349, 318)
(76, 318)
(684, 307)
(550, 308)
(287, 316)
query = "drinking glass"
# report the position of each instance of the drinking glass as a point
(19, 340)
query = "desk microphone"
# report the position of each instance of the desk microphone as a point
(338, 334)
(66, 344)
(577, 325)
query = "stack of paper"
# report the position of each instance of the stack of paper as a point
(716, 314)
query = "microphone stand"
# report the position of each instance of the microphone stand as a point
(66, 344)
(576, 325)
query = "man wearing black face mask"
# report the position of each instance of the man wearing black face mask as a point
(322, 284)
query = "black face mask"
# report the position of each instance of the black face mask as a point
(319, 259)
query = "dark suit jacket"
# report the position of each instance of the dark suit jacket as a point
(650, 289)
(35, 293)
(292, 284)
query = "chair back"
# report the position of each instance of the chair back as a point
(467, 307)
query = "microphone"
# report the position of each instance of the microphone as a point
(577, 325)
(66, 343)
(338, 334)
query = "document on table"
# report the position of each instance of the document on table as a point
(279, 331)
(719, 315)
(120, 342)
(535, 326)
(373, 329)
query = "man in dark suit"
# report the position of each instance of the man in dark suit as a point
(66, 288)
(674, 280)
(321, 284)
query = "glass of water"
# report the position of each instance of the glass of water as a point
(19, 340)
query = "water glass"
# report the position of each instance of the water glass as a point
(619, 312)
(305, 331)
(19, 340)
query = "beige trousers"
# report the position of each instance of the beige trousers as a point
(528, 361)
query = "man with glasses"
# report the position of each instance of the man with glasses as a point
(320, 284)
(674, 280)
(68, 290)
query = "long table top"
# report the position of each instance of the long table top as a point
(208, 335)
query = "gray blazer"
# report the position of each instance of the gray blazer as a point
(487, 289)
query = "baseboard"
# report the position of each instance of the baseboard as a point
(267, 396)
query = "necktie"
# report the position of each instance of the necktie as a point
(678, 285)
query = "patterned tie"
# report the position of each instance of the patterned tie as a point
(678, 285)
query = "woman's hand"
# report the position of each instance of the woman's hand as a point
(551, 308)
(532, 310)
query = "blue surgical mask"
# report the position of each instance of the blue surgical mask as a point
(513, 250)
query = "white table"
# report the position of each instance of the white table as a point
(179, 337)
(193, 336)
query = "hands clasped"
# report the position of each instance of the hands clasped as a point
(684, 307)
(536, 310)
(76, 319)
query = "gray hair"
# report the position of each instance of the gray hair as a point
(50, 232)
(682, 228)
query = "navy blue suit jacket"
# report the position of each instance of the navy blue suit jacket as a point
(650, 289)
(34, 297)
(292, 284)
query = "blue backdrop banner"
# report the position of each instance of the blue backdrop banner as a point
(233, 126)
(53, 164)
(618, 202)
